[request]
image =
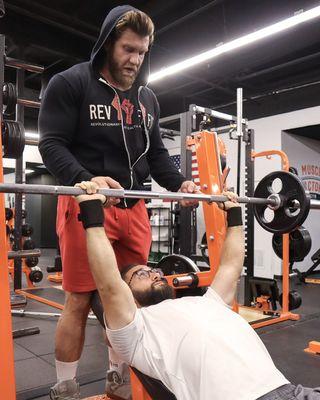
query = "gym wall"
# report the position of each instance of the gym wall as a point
(304, 152)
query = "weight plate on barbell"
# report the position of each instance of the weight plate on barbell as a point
(176, 264)
(285, 218)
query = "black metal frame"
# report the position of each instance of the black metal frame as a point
(20, 75)
(249, 218)
(186, 237)
(189, 123)
(20, 67)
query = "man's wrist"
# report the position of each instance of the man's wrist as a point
(234, 217)
(91, 213)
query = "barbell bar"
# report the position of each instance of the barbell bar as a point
(272, 201)
(289, 205)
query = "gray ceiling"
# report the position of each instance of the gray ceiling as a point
(278, 74)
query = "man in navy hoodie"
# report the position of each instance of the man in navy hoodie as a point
(98, 121)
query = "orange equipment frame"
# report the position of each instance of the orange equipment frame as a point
(313, 348)
(285, 314)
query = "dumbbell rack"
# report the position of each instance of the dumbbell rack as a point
(29, 264)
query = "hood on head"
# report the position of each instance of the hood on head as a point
(108, 25)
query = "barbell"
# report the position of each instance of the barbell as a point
(289, 206)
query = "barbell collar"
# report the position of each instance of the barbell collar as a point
(314, 204)
(277, 200)
(191, 280)
(122, 193)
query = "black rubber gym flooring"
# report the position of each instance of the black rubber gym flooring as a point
(34, 355)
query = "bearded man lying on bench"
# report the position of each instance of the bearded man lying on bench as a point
(197, 346)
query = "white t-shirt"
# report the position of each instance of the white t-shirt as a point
(199, 348)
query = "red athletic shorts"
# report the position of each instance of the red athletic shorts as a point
(128, 229)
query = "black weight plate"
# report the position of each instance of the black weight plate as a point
(175, 264)
(28, 244)
(9, 214)
(32, 261)
(13, 139)
(9, 98)
(285, 219)
(26, 230)
(295, 300)
(6, 126)
(36, 276)
(299, 244)
(20, 140)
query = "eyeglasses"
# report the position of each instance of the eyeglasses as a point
(146, 273)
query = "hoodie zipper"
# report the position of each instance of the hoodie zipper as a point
(124, 136)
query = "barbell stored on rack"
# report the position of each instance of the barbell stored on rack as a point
(290, 205)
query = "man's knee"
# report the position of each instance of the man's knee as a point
(77, 303)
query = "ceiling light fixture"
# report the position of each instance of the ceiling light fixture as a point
(237, 43)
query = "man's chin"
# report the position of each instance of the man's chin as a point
(126, 80)
(162, 291)
(158, 292)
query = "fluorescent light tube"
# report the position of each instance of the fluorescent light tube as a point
(237, 43)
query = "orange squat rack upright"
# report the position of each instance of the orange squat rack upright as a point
(284, 314)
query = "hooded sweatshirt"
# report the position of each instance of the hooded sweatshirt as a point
(88, 128)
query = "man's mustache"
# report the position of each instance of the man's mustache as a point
(159, 280)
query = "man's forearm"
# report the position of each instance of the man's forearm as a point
(102, 260)
(233, 249)
(231, 262)
(116, 297)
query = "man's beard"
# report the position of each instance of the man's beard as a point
(156, 294)
(116, 72)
